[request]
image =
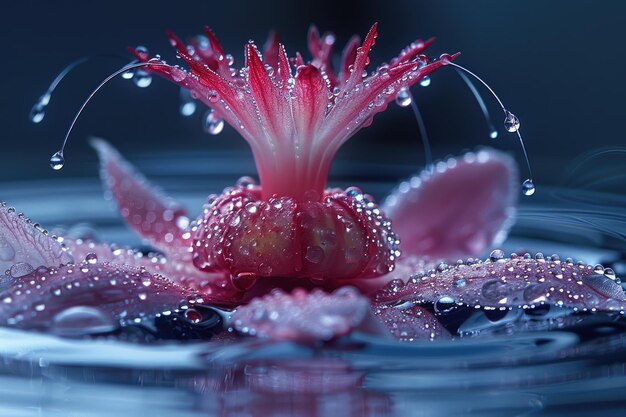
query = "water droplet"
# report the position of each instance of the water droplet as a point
(425, 82)
(511, 122)
(188, 108)
(609, 273)
(244, 280)
(79, 320)
(444, 305)
(20, 269)
(40, 307)
(314, 254)
(128, 75)
(528, 187)
(142, 79)
(91, 258)
(246, 182)
(37, 113)
(496, 255)
(403, 98)
(598, 269)
(493, 132)
(193, 315)
(57, 161)
(213, 124)
(142, 296)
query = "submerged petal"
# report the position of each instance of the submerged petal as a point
(459, 208)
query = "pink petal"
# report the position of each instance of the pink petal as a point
(156, 218)
(411, 324)
(303, 317)
(464, 207)
(516, 282)
(347, 58)
(26, 244)
(109, 292)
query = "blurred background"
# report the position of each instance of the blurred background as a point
(558, 65)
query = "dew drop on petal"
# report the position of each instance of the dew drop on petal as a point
(91, 258)
(528, 187)
(57, 161)
(403, 98)
(511, 122)
(425, 82)
(20, 269)
(496, 255)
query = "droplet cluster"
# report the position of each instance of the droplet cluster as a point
(514, 282)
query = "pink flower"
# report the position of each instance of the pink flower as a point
(279, 251)
(296, 115)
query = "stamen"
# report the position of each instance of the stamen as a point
(37, 113)
(493, 132)
(512, 124)
(57, 160)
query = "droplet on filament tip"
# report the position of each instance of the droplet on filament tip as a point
(511, 122)
(528, 187)
(57, 161)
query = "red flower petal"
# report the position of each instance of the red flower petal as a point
(512, 282)
(26, 244)
(156, 218)
(462, 208)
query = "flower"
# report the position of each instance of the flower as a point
(295, 115)
(305, 242)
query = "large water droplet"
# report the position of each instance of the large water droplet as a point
(528, 188)
(20, 269)
(142, 79)
(511, 122)
(57, 161)
(425, 82)
(79, 320)
(403, 98)
(213, 124)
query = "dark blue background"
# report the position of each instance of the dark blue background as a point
(558, 65)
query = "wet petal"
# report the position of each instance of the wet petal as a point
(23, 242)
(213, 286)
(155, 217)
(411, 324)
(106, 293)
(519, 282)
(303, 317)
(462, 208)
